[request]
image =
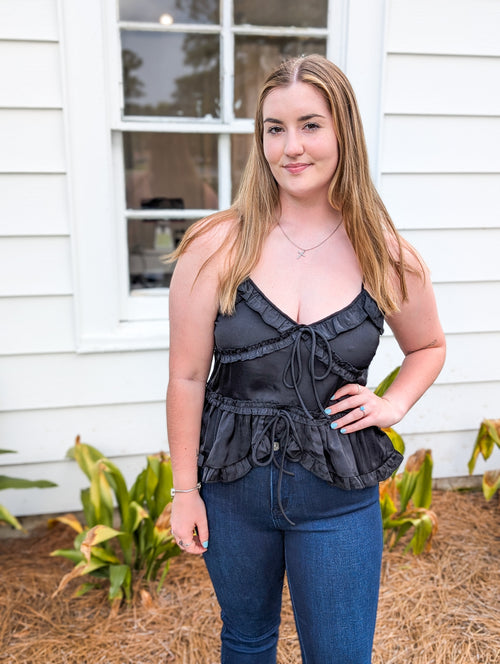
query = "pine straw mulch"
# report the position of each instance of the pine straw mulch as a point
(439, 608)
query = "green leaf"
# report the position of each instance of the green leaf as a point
(422, 495)
(119, 486)
(138, 490)
(9, 518)
(101, 495)
(85, 455)
(106, 556)
(96, 535)
(423, 532)
(8, 452)
(491, 483)
(84, 589)
(487, 437)
(165, 483)
(381, 389)
(493, 427)
(151, 482)
(75, 556)
(88, 508)
(120, 577)
(406, 487)
(16, 483)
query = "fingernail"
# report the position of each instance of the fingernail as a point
(332, 398)
(327, 411)
(205, 544)
(342, 431)
(334, 425)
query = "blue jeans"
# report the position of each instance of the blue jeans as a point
(332, 558)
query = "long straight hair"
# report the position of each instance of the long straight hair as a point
(256, 208)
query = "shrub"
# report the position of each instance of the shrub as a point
(405, 499)
(141, 545)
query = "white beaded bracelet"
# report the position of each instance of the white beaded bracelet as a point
(195, 488)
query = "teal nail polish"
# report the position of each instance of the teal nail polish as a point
(205, 544)
(342, 431)
(334, 425)
(327, 411)
(332, 398)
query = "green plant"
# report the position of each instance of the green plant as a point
(405, 499)
(488, 436)
(141, 545)
(17, 483)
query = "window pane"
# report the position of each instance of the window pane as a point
(170, 167)
(256, 57)
(148, 241)
(170, 74)
(240, 149)
(300, 13)
(179, 11)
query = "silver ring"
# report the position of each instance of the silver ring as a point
(184, 544)
(363, 410)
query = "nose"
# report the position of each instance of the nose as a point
(293, 146)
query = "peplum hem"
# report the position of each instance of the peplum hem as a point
(239, 436)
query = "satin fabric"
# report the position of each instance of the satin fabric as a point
(271, 381)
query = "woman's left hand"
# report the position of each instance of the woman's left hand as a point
(366, 409)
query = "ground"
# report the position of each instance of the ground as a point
(442, 607)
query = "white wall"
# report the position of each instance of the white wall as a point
(439, 175)
(48, 392)
(440, 178)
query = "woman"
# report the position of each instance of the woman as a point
(287, 292)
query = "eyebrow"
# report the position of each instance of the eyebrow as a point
(303, 118)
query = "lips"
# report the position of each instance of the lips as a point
(296, 168)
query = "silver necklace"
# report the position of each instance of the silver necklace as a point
(301, 251)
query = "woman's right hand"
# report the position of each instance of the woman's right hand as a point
(189, 522)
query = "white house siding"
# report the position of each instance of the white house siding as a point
(440, 177)
(48, 392)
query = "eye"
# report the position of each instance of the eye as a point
(275, 130)
(311, 126)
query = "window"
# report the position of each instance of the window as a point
(190, 74)
(159, 99)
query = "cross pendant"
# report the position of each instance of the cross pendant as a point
(300, 253)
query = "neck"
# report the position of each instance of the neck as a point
(308, 218)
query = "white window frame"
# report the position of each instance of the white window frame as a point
(108, 318)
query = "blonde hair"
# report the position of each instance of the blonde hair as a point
(256, 208)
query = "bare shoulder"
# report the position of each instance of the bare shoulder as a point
(210, 235)
(403, 252)
(202, 256)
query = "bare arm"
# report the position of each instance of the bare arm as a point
(418, 332)
(193, 308)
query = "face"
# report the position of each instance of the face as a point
(299, 140)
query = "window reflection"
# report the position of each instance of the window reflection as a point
(165, 171)
(303, 14)
(174, 74)
(255, 57)
(171, 166)
(149, 240)
(181, 11)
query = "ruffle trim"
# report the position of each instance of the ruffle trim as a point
(349, 317)
(233, 443)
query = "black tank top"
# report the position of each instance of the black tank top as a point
(271, 381)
